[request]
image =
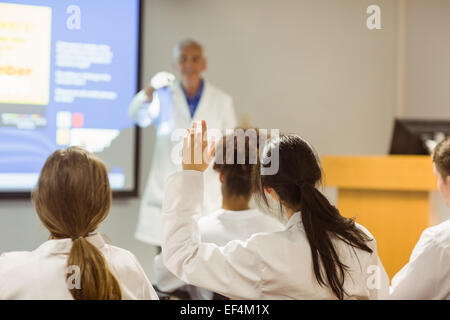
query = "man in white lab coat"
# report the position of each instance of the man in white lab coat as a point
(171, 109)
(427, 274)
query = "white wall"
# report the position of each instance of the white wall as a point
(427, 66)
(305, 66)
(427, 60)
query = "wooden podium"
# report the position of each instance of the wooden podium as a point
(389, 195)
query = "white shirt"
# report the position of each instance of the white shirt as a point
(275, 265)
(170, 115)
(427, 275)
(222, 226)
(41, 274)
(219, 227)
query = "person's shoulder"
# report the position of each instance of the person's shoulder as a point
(129, 272)
(372, 242)
(121, 253)
(212, 216)
(273, 223)
(211, 227)
(442, 228)
(18, 271)
(17, 262)
(217, 91)
(16, 256)
(365, 231)
(269, 238)
(437, 236)
(123, 261)
(269, 244)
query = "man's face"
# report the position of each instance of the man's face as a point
(191, 63)
(443, 186)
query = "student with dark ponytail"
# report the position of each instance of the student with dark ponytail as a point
(319, 255)
(72, 198)
(294, 187)
(235, 220)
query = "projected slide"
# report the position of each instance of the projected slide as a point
(25, 78)
(68, 71)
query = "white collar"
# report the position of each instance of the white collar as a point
(295, 219)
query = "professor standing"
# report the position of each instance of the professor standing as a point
(176, 106)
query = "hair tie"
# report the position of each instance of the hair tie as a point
(79, 238)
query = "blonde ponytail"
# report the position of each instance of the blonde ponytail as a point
(72, 198)
(96, 280)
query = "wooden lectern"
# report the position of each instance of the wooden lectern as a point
(389, 195)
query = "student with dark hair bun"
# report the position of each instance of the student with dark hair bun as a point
(235, 220)
(319, 255)
(72, 198)
(427, 274)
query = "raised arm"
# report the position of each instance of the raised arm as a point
(233, 270)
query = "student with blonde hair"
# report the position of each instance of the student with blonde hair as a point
(427, 274)
(72, 198)
(319, 255)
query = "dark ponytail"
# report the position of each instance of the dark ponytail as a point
(295, 183)
(320, 220)
(242, 144)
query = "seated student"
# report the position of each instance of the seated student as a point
(235, 220)
(319, 254)
(427, 275)
(72, 198)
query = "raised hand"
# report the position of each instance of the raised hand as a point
(196, 153)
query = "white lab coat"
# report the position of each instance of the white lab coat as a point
(427, 275)
(41, 274)
(216, 107)
(222, 226)
(219, 227)
(275, 265)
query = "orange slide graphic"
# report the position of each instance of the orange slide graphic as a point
(25, 47)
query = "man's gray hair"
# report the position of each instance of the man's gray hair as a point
(184, 43)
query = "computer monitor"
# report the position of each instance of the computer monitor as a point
(418, 136)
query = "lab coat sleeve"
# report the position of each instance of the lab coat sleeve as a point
(233, 270)
(141, 111)
(164, 279)
(421, 277)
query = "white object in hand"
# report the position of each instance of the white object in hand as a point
(162, 79)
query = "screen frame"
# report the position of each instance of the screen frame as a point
(133, 193)
(402, 134)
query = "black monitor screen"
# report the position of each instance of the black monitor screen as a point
(417, 136)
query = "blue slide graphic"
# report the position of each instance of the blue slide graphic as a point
(68, 72)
